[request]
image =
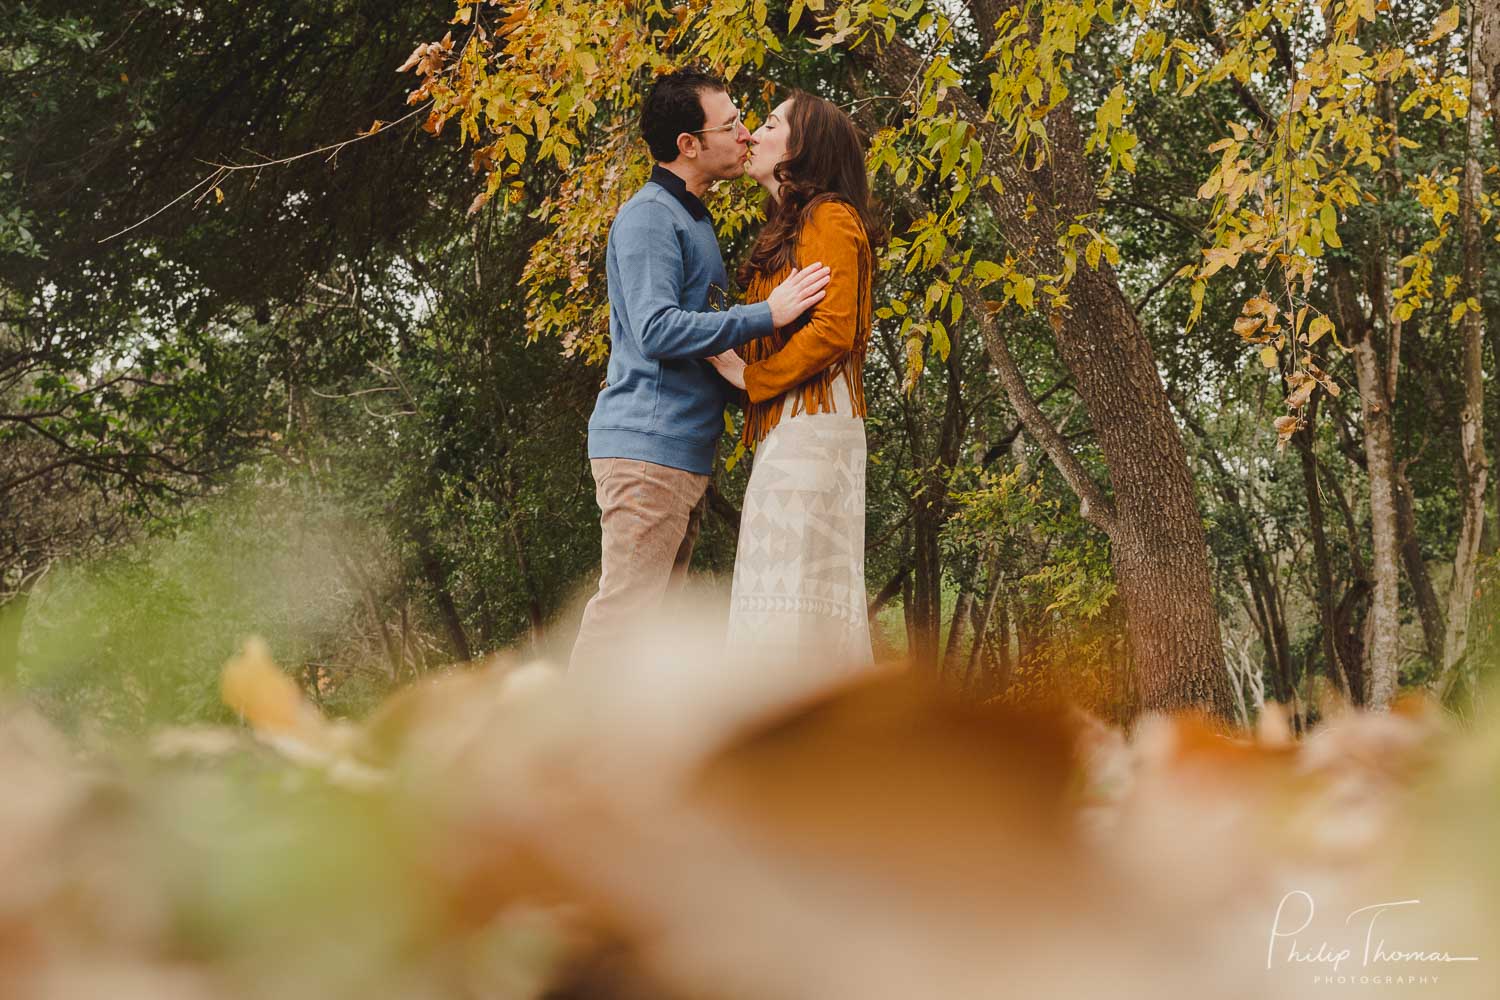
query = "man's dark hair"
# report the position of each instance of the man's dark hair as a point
(673, 107)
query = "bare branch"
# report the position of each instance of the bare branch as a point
(223, 170)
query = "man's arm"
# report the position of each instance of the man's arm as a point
(651, 268)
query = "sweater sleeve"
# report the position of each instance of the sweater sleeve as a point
(833, 236)
(651, 266)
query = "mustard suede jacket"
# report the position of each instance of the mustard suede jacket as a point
(804, 358)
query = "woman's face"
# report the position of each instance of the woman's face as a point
(768, 146)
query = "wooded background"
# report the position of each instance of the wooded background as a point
(1181, 389)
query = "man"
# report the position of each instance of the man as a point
(656, 423)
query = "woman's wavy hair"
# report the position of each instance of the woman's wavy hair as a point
(825, 159)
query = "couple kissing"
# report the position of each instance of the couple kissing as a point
(791, 353)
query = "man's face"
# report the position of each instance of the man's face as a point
(724, 143)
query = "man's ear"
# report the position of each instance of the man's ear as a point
(687, 145)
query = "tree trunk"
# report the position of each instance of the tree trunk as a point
(925, 609)
(1003, 664)
(1334, 666)
(957, 630)
(1350, 614)
(1269, 622)
(1380, 461)
(931, 511)
(1474, 465)
(974, 668)
(1380, 467)
(888, 593)
(1429, 612)
(906, 597)
(1158, 550)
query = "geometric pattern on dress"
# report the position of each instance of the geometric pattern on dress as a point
(799, 571)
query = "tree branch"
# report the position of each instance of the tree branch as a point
(1093, 505)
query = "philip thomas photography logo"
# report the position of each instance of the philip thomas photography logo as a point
(1359, 952)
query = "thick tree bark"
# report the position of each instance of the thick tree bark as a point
(1474, 465)
(1158, 550)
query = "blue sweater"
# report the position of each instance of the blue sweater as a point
(661, 402)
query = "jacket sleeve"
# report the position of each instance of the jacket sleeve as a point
(651, 268)
(833, 236)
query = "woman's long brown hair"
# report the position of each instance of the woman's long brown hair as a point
(825, 159)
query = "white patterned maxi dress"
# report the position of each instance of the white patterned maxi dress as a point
(799, 573)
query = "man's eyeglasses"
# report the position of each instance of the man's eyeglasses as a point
(733, 126)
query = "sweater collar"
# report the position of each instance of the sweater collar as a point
(678, 189)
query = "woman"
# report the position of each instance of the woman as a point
(799, 580)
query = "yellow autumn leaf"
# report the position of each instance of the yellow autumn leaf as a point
(1112, 111)
(1447, 21)
(1025, 292)
(1320, 325)
(1302, 393)
(1246, 326)
(1217, 258)
(1269, 357)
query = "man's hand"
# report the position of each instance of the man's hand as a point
(731, 366)
(801, 290)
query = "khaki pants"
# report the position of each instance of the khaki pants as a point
(649, 517)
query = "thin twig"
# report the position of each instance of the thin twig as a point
(222, 170)
(357, 392)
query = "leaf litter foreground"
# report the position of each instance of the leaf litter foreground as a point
(657, 828)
